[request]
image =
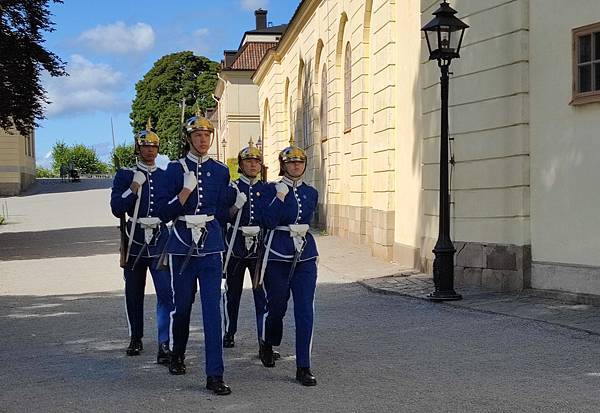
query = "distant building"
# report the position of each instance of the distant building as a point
(17, 162)
(236, 94)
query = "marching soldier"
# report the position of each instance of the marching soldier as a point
(137, 192)
(242, 241)
(290, 260)
(196, 203)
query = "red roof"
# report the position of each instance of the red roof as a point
(250, 55)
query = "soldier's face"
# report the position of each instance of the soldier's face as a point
(201, 140)
(148, 154)
(294, 169)
(251, 167)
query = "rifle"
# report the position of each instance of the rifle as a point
(122, 225)
(260, 249)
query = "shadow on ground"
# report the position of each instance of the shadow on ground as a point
(53, 186)
(71, 242)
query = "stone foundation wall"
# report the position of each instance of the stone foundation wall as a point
(494, 266)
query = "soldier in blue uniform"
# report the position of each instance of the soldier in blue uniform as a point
(242, 241)
(290, 260)
(137, 192)
(196, 203)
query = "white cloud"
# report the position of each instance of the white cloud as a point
(88, 87)
(254, 4)
(201, 32)
(119, 38)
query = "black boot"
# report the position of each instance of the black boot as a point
(266, 354)
(177, 365)
(305, 376)
(135, 347)
(217, 385)
(228, 341)
(164, 355)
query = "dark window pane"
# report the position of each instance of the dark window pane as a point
(597, 76)
(585, 48)
(585, 78)
(597, 43)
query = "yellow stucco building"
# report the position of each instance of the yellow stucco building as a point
(351, 81)
(236, 95)
(17, 162)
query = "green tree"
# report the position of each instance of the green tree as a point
(61, 155)
(77, 156)
(159, 94)
(125, 156)
(22, 59)
(41, 172)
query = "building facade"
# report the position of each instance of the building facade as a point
(352, 82)
(237, 114)
(17, 162)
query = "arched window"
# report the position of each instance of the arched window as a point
(287, 109)
(347, 89)
(306, 114)
(323, 108)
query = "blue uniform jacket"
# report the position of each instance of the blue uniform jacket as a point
(298, 208)
(209, 197)
(122, 201)
(251, 212)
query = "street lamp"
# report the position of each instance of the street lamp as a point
(224, 145)
(444, 35)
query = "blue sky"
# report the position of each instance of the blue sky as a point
(109, 45)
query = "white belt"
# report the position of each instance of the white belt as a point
(250, 233)
(148, 224)
(196, 223)
(297, 232)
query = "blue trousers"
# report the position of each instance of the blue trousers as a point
(205, 272)
(278, 286)
(135, 284)
(236, 268)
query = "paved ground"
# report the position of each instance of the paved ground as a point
(529, 304)
(64, 331)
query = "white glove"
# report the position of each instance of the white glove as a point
(189, 181)
(282, 188)
(240, 200)
(139, 178)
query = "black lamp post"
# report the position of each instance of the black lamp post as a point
(444, 36)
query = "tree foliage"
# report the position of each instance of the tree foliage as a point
(124, 156)
(159, 94)
(41, 172)
(77, 156)
(22, 59)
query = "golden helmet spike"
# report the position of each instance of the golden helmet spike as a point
(292, 153)
(147, 137)
(198, 122)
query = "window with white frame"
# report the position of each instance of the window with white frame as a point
(586, 64)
